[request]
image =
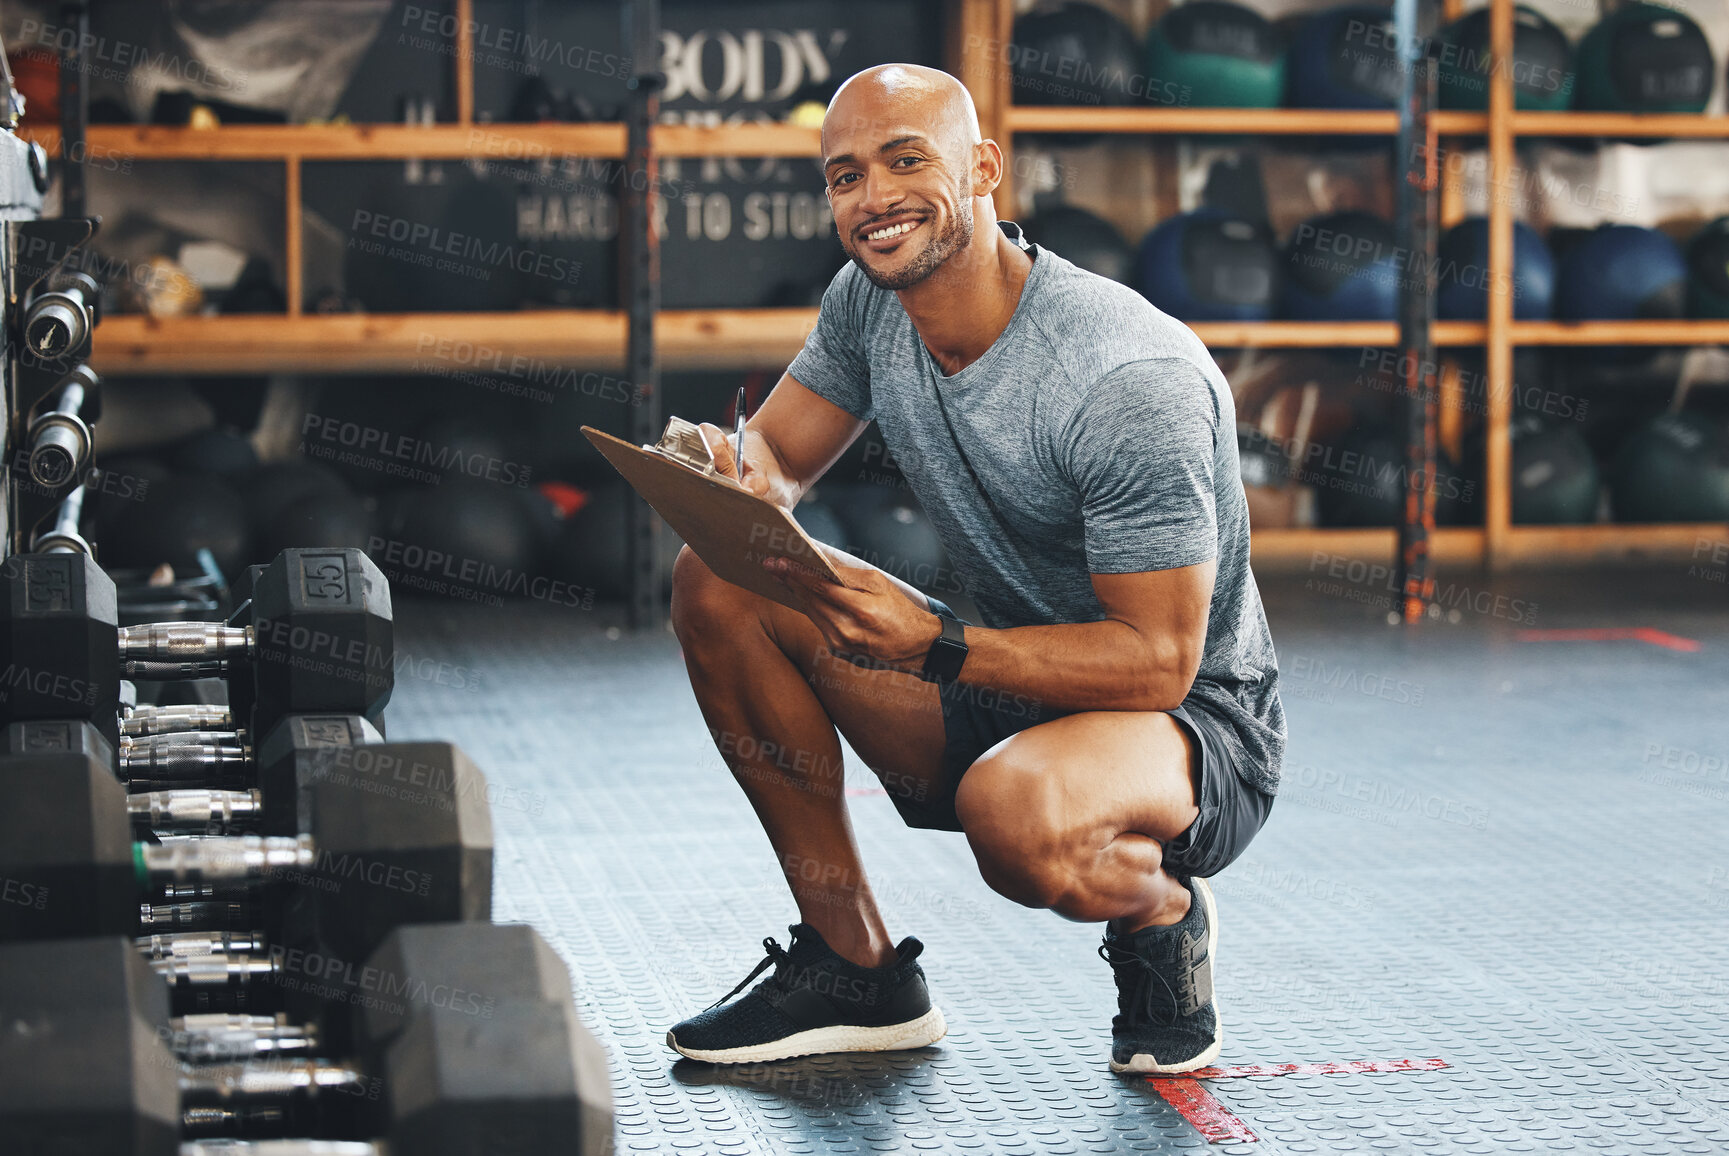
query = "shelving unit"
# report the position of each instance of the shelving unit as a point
(975, 33)
(1498, 543)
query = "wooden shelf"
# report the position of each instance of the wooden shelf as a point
(1228, 121)
(500, 142)
(447, 344)
(1295, 549)
(1620, 332)
(690, 339)
(1535, 546)
(1679, 124)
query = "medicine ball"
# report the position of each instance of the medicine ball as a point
(1674, 468)
(1555, 478)
(1341, 267)
(886, 528)
(460, 539)
(1462, 279)
(1209, 266)
(1261, 460)
(1361, 480)
(1541, 80)
(591, 553)
(1621, 273)
(1644, 58)
(224, 453)
(1344, 58)
(1076, 54)
(1708, 271)
(272, 488)
(315, 520)
(1219, 55)
(179, 516)
(1089, 241)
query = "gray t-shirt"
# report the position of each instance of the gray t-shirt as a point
(1095, 436)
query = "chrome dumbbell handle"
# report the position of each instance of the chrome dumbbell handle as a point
(57, 323)
(154, 647)
(207, 971)
(283, 1148)
(267, 1080)
(64, 538)
(229, 858)
(195, 915)
(172, 761)
(216, 1037)
(142, 721)
(196, 811)
(181, 944)
(60, 440)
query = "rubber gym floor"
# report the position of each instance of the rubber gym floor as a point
(1500, 847)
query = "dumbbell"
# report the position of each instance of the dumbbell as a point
(505, 1068)
(184, 782)
(402, 835)
(317, 637)
(59, 440)
(58, 322)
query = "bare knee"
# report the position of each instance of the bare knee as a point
(701, 601)
(1014, 824)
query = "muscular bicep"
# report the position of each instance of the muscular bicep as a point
(1167, 609)
(807, 432)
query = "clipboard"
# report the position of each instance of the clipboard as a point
(731, 529)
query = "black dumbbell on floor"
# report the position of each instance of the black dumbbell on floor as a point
(507, 1069)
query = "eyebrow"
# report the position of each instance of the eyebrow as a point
(897, 142)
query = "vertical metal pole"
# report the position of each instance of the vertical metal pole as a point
(1414, 28)
(640, 291)
(74, 110)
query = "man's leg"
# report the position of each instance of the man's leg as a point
(1073, 815)
(773, 697)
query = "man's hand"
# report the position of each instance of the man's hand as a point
(762, 475)
(867, 614)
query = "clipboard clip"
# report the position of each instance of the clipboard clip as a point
(682, 442)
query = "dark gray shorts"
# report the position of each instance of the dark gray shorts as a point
(975, 719)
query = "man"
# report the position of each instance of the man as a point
(1111, 735)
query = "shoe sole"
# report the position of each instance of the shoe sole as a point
(1142, 1064)
(919, 1033)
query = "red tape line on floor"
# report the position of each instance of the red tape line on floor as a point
(1613, 634)
(1346, 1067)
(1195, 1104)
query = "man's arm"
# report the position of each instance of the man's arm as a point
(1142, 656)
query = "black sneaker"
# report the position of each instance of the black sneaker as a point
(815, 1002)
(1167, 1020)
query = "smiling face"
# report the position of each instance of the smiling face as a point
(900, 145)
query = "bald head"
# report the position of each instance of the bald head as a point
(907, 96)
(907, 174)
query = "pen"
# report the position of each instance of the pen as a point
(738, 436)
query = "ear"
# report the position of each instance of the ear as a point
(987, 168)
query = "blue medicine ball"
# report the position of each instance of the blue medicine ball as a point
(1342, 267)
(1621, 273)
(1209, 266)
(1344, 58)
(1462, 273)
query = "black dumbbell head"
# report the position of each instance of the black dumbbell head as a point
(280, 755)
(456, 969)
(83, 1045)
(58, 644)
(66, 857)
(403, 834)
(323, 636)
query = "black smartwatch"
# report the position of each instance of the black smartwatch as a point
(947, 653)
